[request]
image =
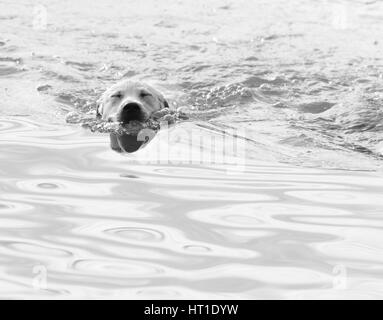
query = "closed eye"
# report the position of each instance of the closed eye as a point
(117, 95)
(144, 94)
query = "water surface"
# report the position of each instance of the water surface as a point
(292, 92)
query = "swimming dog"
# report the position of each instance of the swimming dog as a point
(128, 100)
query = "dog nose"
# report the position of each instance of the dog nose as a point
(131, 111)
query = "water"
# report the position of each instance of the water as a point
(292, 92)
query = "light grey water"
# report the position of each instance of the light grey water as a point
(293, 207)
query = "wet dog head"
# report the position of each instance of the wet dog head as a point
(127, 101)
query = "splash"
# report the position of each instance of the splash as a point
(89, 121)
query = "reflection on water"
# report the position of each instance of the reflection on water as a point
(78, 220)
(130, 143)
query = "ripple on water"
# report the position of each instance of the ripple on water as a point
(255, 215)
(276, 275)
(168, 238)
(196, 249)
(359, 247)
(118, 268)
(33, 249)
(6, 125)
(46, 185)
(14, 207)
(20, 224)
(94, 206)
(206, 195)
(339, 197)
(137, 234)
(65, 187)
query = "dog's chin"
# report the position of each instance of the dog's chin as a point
(136, 117)
(133, 122)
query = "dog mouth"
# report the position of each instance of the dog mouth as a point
(132, 112)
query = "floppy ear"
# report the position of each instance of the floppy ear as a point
(98, 108)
